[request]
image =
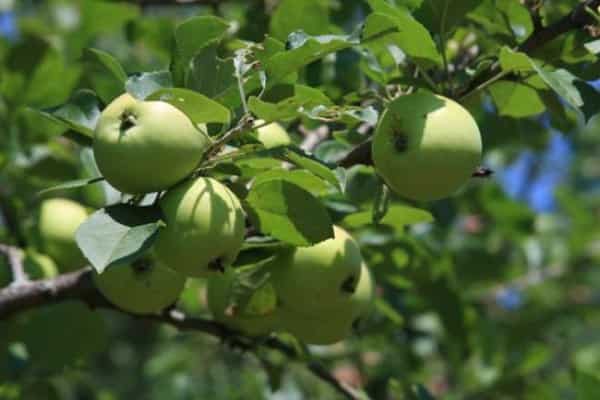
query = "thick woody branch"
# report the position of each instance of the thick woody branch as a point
(78, 285)
(576, 19)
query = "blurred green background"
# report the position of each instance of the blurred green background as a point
(496, 299)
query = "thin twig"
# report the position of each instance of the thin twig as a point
(14, 257)
(578, 18)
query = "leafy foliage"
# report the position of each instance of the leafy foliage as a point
(488, 294)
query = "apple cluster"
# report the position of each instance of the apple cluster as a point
(319, 293)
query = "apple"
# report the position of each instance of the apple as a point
(271, 135)
(144, 287)
(258, 317)
(329, 326)
(204, 229)
(38, 265)
(319, 277)
(58, 220)
(426, 146)
(146, 146)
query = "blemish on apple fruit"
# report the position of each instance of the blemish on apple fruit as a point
(349, 284)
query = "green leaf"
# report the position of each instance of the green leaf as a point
(282, 66)
(300, 177)
(511, 60)
(303, 50)
(291, 15)
(117, 234)
(516, 100)
(107, 74)
(199, 108)
(412, 37)
(304, 97)
(397, 216)
(190, 38)
(143, 85)
(296, 157)
(593, 46)
(72, 184)
(209, 74)
(573, 90)
(508, 19)
(587, 385)
(444, 15)
(79, 114)
(288, 213)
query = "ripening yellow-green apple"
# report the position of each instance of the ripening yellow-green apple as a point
(327, 326)
(57, 224)
(204, 229)
(146, 146)
(319, 277)
(143, 287)
(271, 135)
(38, 265)
(258, 317)
(426, 146)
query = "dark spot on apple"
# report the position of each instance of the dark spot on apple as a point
(349, 284)
(128, 121)
(400, 141)
(142, 265)
(217, 265)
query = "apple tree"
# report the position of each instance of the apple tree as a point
(363, 199)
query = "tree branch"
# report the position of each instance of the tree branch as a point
(78, 285)
(578, 18)
(360, 154)
(14, 257)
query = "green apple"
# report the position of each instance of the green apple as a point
(320, 277)
(193, 297)
(146, 146)
(204, 230)
(257, 317)
(328, 326)
(62, 334)
(38, 265)
(143, 287)
(57, 224)
(426, 146)
(271, 135)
